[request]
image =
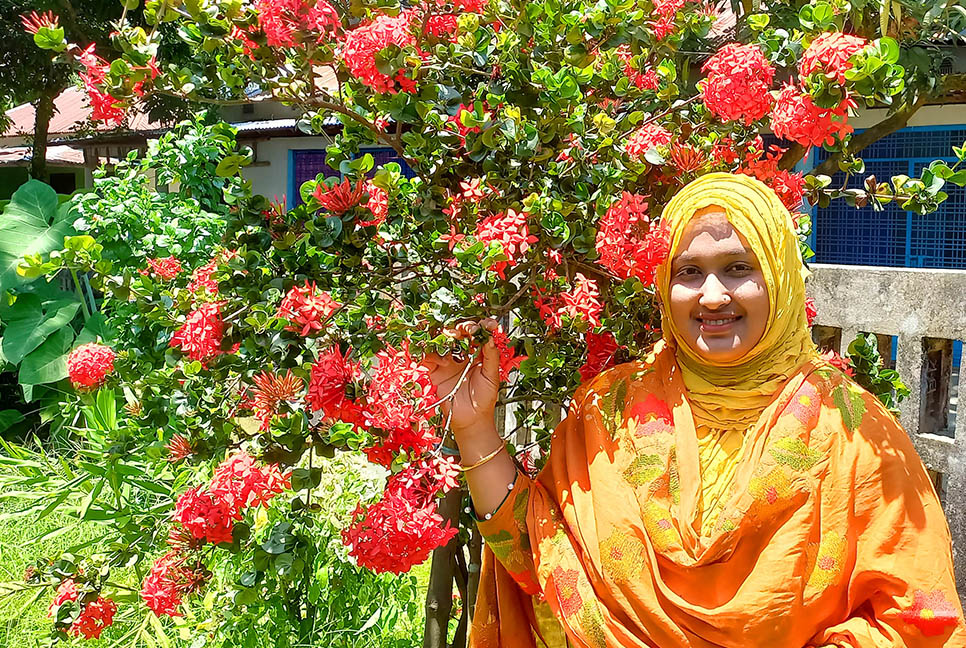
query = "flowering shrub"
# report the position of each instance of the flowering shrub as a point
(542, 140)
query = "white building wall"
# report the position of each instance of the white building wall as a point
(270, 176)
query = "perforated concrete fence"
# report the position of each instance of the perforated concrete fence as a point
(919, 318)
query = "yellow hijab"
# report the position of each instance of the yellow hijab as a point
(731, 395)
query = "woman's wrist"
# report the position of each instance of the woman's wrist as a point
(477, 441)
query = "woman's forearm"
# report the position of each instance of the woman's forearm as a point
(488, 483)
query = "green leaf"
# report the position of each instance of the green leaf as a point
(34, 222)
(50, 38)
(29, 322)
(48, 363)
(9, 417)
(231, 165)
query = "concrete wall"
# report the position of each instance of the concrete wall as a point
(925, 310)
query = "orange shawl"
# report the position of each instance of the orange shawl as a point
(832, 534)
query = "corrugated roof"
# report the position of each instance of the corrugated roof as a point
(59, 155)
(71, 111)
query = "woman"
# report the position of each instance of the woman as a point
(731, 489)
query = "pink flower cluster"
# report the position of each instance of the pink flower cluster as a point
(200, 336)
(581, 302)
(402, 529)
(510, 230)
(364, 42)
(797, 118)
(89, 365)
(282, 20)
(830, 53)
(164, 268)
(331, 374)
(645, 138)
(737, 84)
(307, 308)
(617, 233)
(94, 616)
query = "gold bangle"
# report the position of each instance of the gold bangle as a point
(484, 459)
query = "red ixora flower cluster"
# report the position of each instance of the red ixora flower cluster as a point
(104, 107)
(402, 528)
(509, 360)
(202, 279)
(797, 118)
(172, 576)
(208, 514)
(581, 302)
(398, 401)
(94, 616)
(510, 230)
(281, 20)
(617, 233)
(836, 360)
(830, 53)
(364, 42)
(271, 390)
(789, 186)
(307, 308)
(645, 138)
(164, 268)
(200, 336)
(738, 79)
(338, 198)
(644, 81)
(331, 374)
(601, 351)
(89, 365)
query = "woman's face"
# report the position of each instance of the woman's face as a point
(719, 299)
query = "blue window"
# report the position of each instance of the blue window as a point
(895, 237)
(306, 164)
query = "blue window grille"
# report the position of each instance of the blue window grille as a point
(306, 164)
(895, 237)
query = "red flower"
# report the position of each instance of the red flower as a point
(205, 516)
(789, 186)
(798, 119)
(272, 390)
(645, 81)
(508, 358)
(736, 88)
(617, 230)
(332, 373)
(103, 106)
(456, 121)
(404, 527)
(443, 26)
(601, 349)
(89, 365)
(281, 19)
(836, 360)
(932, 613)
(377, 203)
(582, 302)
(510, 230)
(339, 197)
(34, 22)
(165, 268)
(652, 252)
(413, 439)
(202, 278)
(200, 336)
(307, 308)
(169, 579)
(811, 312)
(364, 42)
(241, 482)
(93, 617)
(662, 27)
(399, 390)
(179, 448)
(645, 138)
(668, 8)
(830, 53)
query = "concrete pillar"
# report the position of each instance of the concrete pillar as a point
(909, 364)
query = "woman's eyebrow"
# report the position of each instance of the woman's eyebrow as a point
(687, 257)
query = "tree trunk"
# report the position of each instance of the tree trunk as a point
(45, 110)
(459, 639)
(439, 596)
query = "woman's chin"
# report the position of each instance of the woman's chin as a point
(718, 350)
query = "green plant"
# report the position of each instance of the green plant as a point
(870, 372)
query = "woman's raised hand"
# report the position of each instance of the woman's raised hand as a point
(474, 402)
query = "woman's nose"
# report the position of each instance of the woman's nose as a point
(714, 294)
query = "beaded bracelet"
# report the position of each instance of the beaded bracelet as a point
(483, 460)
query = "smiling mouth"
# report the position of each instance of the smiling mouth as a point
(717, 323)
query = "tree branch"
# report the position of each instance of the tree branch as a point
(869, 136)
